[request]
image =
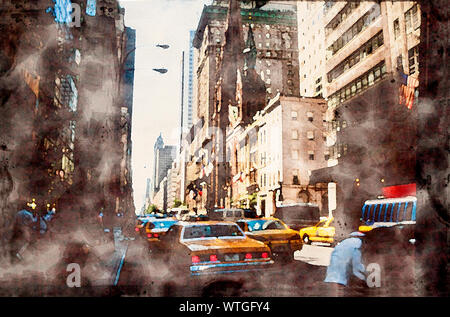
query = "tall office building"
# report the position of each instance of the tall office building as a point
(189, 105)
(147, 200)
(311, 47)
(371, 80)
(273, 30)
(164, 155)
(159, 144)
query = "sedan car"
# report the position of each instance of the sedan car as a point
(212, 247)
(140, 225)
(281, 240)
(156, 228)
(323, 231)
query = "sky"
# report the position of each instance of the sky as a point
(157, 97)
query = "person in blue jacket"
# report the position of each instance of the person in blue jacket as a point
(346, 264)
(29, 226)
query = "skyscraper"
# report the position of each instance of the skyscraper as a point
(274, 33)
(159, 144)
(164, 155)
(147, 200)
(190, 84)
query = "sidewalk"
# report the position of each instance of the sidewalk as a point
(44, 269)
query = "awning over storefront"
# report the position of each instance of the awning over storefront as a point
(331, 174)
(323, 175)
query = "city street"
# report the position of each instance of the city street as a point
(202, 147)
(145, 276)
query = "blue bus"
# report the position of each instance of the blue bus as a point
(388, 212)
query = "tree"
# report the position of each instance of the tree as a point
(177, 203)
(253, 200)
(151, 209)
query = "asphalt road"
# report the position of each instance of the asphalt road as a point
(143, 275)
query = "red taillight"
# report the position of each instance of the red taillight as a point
(195, 259)
(136, 229)
(248, 256)
(149, 235)
(264, 255)
(213, 258)
(155, 235)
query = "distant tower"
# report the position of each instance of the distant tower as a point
(147, 194)
(159, 144)
(190, 82)
(164, 155)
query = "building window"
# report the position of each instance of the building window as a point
(311, 155)
(341, 16)
(364, 81)
(294, 115)
(294, 135)
(310, 116)
(354, 30)
(295, 180)
(396, 28)
(400, 62)
(413, 60)
(310, 135)
(294, 154)
(363, 52)
(412, 20)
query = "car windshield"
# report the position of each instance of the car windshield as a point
(163, 224)
(208, 231)
(321, 223)
(257, 225)
(274, 224)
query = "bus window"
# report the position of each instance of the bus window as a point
(398, 212)
(380, 211)
(388, 212)
(407, 212)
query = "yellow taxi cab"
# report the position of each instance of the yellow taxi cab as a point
(139, 228)
(212, 247)
(323, 231)
(281, 240)
(156, 228)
